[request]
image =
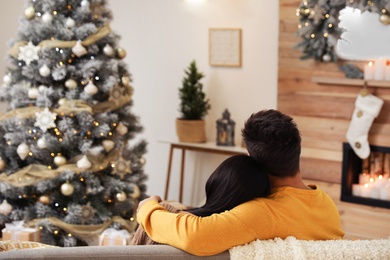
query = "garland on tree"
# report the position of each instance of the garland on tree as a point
(318, 24)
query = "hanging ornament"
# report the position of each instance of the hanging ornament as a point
(61, 101)
(121, 167)
(108, 145)
(7, 79)
(67, 189)
(29, 12)
(33, 93)
(136, 192)
(5, 208)
(116, 93)
(121, 196)
(385, 19)
(120, 53)
(71, 84)
(90, 88)
(121, 129)
(2, 164)
(59, 160)
(85, 4)
(79, 49)
(142, 160)
(108, 50)
(41, 143)
(326, 57)
(84, 163)
(23, 150)
(125, 80)
(47, 18)
(45, 119)
(28, 53)
(70, 23)
(44, 71)
(44, 199)
(87, 213)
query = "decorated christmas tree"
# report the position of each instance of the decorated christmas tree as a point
(70, 162)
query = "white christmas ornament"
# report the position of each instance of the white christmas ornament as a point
(367, 108)
(121, 129)
(5, 208)
(28, 53)
(108, 50)
(67, 189)
(33, 93)
(125, 81)
(42, 88)
(44, 71)
(70, 23)
(90, 88)
(41, 143)
(84, 163)
(59, 160)
(61, 101)
(2, 164)
(79, 49)
(7, 79)
(71, 84)
(108, 145)
(23, 150)
(29, 12)
(85, 4)
(47, 18)
(45, 119)
(121, 196)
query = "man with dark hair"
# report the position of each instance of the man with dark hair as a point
(293, 208)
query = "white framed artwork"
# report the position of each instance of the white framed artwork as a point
(225, 47)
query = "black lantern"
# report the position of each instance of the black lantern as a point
(225, 130)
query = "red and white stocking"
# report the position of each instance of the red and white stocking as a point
(367, 108)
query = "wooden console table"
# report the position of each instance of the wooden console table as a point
(209, 147)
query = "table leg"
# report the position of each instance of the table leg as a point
(168, 173)
(182, 174)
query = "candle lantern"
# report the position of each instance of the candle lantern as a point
(225, 130)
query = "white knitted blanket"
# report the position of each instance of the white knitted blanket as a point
(293, 249)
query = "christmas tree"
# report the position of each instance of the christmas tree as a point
(70, 162)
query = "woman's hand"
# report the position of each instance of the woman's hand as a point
(153, 197)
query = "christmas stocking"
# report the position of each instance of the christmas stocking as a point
(367, 107)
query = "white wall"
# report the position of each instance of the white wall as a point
(161, 38)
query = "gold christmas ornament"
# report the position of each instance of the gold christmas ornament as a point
(121, 196)
(125, 80)
(108, 145)
(142, 160)
(136, 192)
(2, 164)
(59, 160)
(44, 199)
(71, 84)
(29, 12)
(120, 53)
(121, 129)
(121, 167)
(67, 189)
(385, 19)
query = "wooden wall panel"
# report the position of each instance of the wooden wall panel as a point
(323, 113)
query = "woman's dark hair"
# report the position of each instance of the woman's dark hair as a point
(236, 180)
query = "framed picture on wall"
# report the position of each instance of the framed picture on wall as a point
(225, 47)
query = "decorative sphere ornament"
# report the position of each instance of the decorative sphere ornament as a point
(125, 80)
(326, 57)
(61, 101)
(108, 145)
(385, 19)
(108, 50)
(5, 208)
(44, 71)
(136, 192)
(121, 196)
(41, 143)
(7, 79)
(79, 50)
(121, 129)
(33, 93)
(29, 12)
(85, 4)
(71, 84)
(2, 164)
(120, 53)
(44, 199)
(90, 88)
(67, 189)
(84, 163)
(59, 160)
(23, 150)
(142, 160)
(47, 18)
(70, 23)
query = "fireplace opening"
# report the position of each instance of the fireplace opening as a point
(366, 181)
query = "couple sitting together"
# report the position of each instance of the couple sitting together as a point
(261, 196)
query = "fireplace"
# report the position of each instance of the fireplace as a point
(366, 181)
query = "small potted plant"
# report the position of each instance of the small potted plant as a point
(194, 106)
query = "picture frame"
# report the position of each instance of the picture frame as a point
(225, 47)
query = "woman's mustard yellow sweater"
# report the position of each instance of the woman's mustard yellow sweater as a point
(304, 214)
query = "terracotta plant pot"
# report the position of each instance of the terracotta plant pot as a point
(191, 131)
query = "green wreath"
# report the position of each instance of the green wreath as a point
(318, 24)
